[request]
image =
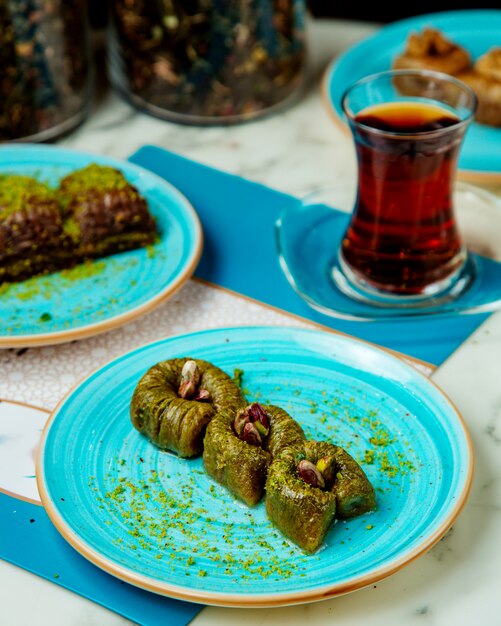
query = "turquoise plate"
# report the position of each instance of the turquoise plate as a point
(158, 521)
(108, 292)
(476, 30)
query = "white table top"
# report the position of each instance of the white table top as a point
(297, 151)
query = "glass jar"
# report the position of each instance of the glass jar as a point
(207, 61)
(44, 68)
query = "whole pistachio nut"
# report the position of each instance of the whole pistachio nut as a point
(261, 429)
(258, 414)
(202, 395)
(241, 419)
(251, 435)
(327, 467)
(310, 473)
(187, 390)
(190, 372)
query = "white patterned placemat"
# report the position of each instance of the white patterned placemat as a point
(42, 376)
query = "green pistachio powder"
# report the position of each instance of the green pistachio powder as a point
(18, 191)
(94, 177)
(15, 190)
(130, 501)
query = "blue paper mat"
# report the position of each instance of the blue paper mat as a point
(28, 539)
(238, 218)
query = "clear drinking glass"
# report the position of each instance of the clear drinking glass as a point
(403, 238)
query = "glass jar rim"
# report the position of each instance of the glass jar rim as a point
(472, 108)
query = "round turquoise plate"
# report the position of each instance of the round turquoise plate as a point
(476, 30)
(159, 522)
(108, 292)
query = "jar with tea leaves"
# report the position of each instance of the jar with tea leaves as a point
(208, 61)
(44, 68)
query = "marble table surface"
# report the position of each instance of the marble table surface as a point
(296, 151)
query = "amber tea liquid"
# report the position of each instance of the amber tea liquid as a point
(403, 237)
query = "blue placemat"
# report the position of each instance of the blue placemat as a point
(28, 539)
(238, 218)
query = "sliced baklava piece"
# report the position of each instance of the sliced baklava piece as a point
(176, 399)
(104, 213)
(297, 500)
(354, 493)
(32, 238)
(240, 445)
(430, 49)
(310, 485)
(485, 80)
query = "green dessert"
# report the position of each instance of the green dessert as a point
(32, 238)
(176, 399)
(299, 506)
(354, 493)
(104, 213)
(190, 406)
(309, 486)
(240, 445)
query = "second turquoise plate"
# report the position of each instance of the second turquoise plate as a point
(159, 522)
(476, 30)
(108, 292)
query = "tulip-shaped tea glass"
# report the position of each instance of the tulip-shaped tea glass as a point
(404, 239)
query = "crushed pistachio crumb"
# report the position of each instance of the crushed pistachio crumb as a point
(238, 375)
(369, 457)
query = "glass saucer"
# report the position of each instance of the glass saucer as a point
(309, 236)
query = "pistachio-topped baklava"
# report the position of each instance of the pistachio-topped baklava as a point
(104, 213)
(32, 236)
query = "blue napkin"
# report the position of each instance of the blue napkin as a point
(30, 540)
(238, 218)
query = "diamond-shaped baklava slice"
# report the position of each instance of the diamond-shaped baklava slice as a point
(32, 237)
(104, 213)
